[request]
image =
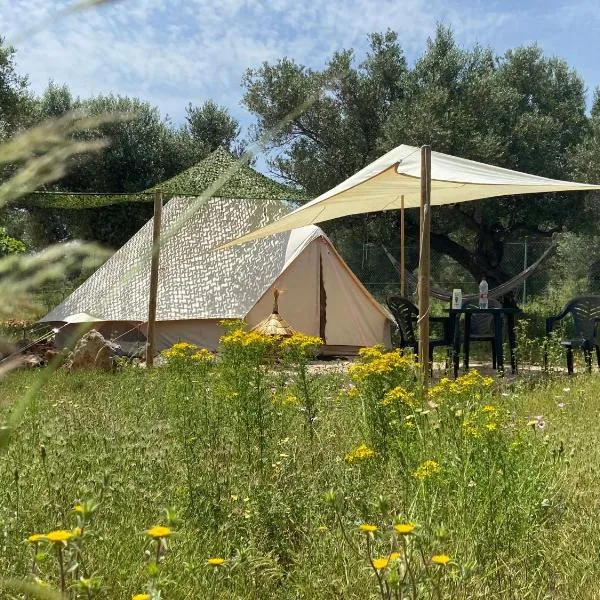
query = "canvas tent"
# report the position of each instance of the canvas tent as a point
(199, 287)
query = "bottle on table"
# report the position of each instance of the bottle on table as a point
(456, 298)
(483, 293)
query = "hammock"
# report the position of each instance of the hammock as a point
(498, 291)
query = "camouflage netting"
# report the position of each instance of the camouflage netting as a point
(245, 183)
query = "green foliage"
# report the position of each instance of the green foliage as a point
(9, 245)
(211, 125)
(584, 156)
(143, 151)
(224, 442)
(15, 102)
(521, 110)
(337, 134)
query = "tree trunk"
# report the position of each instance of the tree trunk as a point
(484, 261)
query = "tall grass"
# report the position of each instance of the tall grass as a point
(248, 478)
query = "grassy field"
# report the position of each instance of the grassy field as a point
(275, 470)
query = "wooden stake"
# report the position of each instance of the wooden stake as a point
(402, 242)
(424, 264)
(151, 338)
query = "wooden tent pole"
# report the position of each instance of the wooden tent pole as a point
(402, 242)
(151, 337)
(322, 300)
(424, 264)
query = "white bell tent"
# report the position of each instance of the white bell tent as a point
(198, 287)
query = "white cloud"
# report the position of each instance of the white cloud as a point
(175, 51)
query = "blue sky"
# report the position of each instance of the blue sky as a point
(172, 52)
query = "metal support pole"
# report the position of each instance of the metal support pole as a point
(524, 267)
(424, 264)
(402, 243)
(151, 338)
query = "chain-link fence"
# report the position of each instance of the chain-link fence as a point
(381, 277)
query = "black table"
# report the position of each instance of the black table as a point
(499, 314)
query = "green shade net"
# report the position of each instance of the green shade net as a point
(245, 182)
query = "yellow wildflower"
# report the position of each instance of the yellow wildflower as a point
(399, 395)
(371, 352)
(427, 469)
(395, 556)
(179, 350)
(216, 562)
(141, 597)
(361, 453)
(203, 355)
(467, 383)
(440, 559)
(455, 389)
(246, 339)
(380, 563)
(367, 528)
(470, 429)
(322, 529)
(373, 367)
(158, 531)
(404, 528)
(78, 508)
(490, 426)
(291, 400)
(302, 344)
(60, 535)
(36, 537)
(183, 346)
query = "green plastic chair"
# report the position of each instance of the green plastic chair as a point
(405, 315)
(585, 313)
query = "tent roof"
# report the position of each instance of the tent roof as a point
(81, 318)
(380, 185)
(245, 182)
(194, 283)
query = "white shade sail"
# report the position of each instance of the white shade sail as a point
(380, 185)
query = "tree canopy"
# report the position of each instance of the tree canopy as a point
(15, 100)
(521, 110)
(143, 151)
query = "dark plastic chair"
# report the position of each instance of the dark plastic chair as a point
(482, 327)
(405, 314)
(585, 313)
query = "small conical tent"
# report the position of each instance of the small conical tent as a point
(199, 287)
